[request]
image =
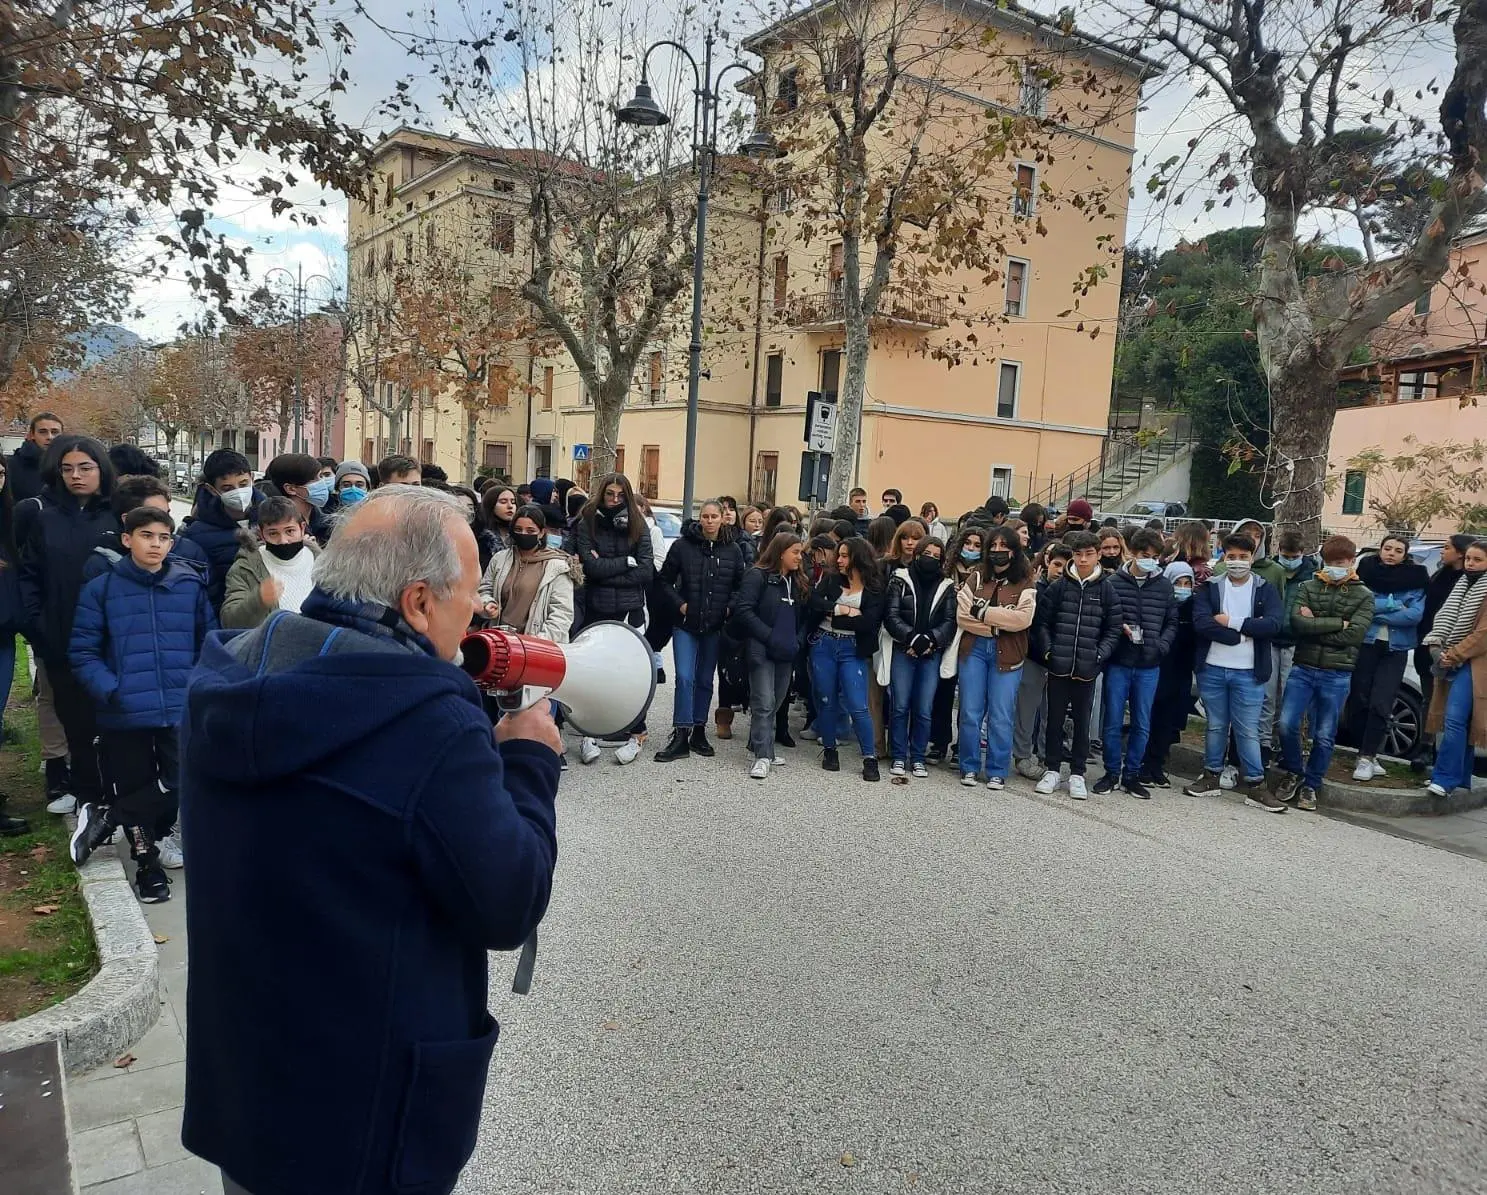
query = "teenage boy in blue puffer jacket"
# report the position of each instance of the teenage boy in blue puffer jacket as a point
(135, 639)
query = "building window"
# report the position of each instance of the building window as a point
(250, 447)
(1353, 483)
(1025, 191)
(650, 470)
(1009, 381)
(619, 459)
(843, 70)
(427, 456)
(369, 452)
(496, 458)
(1001, 480)
(547, 388)
(407, 246)
(766, 477)
(787, 91)
(503, 232)
(1422, 304)
(543, 455)
(657, 388)
(781, 281)
(1034, 97)
(836, 268)
(230, 439)
(583, 475)
(587, 395)
(781, 199)
(1017, 275)
(1411, 385)
(428, 237)
(387, 258)
(774, 379)
(831, 370)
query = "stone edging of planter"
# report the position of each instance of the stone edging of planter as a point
(119, 1004)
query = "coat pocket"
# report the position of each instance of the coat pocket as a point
(441, 1109)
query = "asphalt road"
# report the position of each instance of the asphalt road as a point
(814, 984)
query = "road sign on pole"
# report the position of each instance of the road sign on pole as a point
(820, 421)
(580, 452)
(815, 476)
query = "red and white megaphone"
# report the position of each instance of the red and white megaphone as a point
(604, 679)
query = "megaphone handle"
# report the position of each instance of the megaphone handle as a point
(521, 983)
(513, 701)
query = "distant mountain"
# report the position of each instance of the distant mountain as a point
(104, 340)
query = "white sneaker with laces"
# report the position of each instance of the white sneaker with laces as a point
(588, 751)
(778, 762)
(1436, 790)
(1366, 769)
(629, 753)
(1047, 784)
(1229, 777)
(760, 770)
(899, 768)
(171, 855)
(968, 780)
(921, 770)
(66, 803)
(1077, 789)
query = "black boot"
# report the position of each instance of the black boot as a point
(677, 748)
(870, 769)
(11, 827)
(700, 744)
(782, 727)
(830, 760)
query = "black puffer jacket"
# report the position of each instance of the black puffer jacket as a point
(1150, 606)
(865, 626)
(59, 542)
(703, 575)
(1077, 626)
(902, 616)
(757, 613)
(613, 587)
(23, 471)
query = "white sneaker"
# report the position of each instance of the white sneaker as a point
(996, 784)
(1047, 784)
(810, 734)
(899, 768)
(1436, 790)
(66, 803)
(1229, 777)
(629, 753)
(968, 780)
(778, 762)
(588, 751)
(1366, 769)
(760, 770)
(1077, 789)
(171, 855)
(921, 770)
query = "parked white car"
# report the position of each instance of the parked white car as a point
(669, 519)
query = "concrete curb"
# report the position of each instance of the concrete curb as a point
(1363, 798)
(121, 1002)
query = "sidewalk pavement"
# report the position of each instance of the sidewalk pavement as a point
(126, 1121)
(1459, 833)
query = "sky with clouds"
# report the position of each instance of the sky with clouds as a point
(1173, 113)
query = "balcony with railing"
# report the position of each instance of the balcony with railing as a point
(896, 306)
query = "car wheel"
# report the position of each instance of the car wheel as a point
(1405, 728)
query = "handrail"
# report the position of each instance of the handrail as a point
(1115, 453)
(895, 303)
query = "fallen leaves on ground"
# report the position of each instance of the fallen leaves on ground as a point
(124, 1061)
(161, 939)
(898, 780)
(44, 910)
(848, 1160)
(610, 1025)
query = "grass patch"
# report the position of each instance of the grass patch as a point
(1344, 759)
(47, 956)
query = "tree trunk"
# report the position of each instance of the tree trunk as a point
(395, 428)
(609, 404)
(1304, 402)
(472, 430)
(851, 391)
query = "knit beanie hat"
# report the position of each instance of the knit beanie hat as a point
(352, 469)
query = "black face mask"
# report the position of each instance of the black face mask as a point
(526, 542)
(1110, 556)
(1073, 526)
(926, 567)
(999, 559)
(285, 551)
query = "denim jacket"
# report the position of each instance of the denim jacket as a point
(1401, 613)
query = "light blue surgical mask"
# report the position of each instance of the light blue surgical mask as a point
(1337, 572)
(1147, 564)
(352, 494)
(554, 541)
(1290, 563)
(970, 555)
(1182, 595)
(317, 493)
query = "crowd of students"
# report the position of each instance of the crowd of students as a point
(1010, 644)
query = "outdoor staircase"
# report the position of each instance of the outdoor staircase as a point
(1122, 468)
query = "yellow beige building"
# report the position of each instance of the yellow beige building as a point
(1029, 407)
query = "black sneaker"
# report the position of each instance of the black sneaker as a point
(93, 829)
(58, 777)
(1106, 783)
(1286, 786)
(152, 884)
(660, 676)
(934, 755)
(870, 770)
(1138, 790)
(1257, 795)
(831, 761)
(1155, 778)
(699, 743)
(1207, 785)
(12, 827)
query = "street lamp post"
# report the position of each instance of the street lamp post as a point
(299, 280)
(643, 111)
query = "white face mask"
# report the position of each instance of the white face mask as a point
(239, 499)
(1238, 569)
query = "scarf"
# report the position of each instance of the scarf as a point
(370, 618)
(1458, 616)
(1384, 578)
(519, 589)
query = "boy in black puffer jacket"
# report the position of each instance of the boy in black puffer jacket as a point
(1148, 623)
(1076, 629)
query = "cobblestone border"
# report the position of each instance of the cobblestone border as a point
(119, 1004)
(1364, 798)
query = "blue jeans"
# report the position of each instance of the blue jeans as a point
(912, 686)
(7, 667)
(696, 659)
(1320, 693)
(1232, 698)
(1138, 686)
(1455, 755)
(989, 695)
(840, 681)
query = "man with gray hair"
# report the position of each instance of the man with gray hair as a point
(359, 840)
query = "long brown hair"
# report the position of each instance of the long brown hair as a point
(769, 559)
(896, 545)
(590, 511)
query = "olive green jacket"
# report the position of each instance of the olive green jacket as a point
(1322, 641)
